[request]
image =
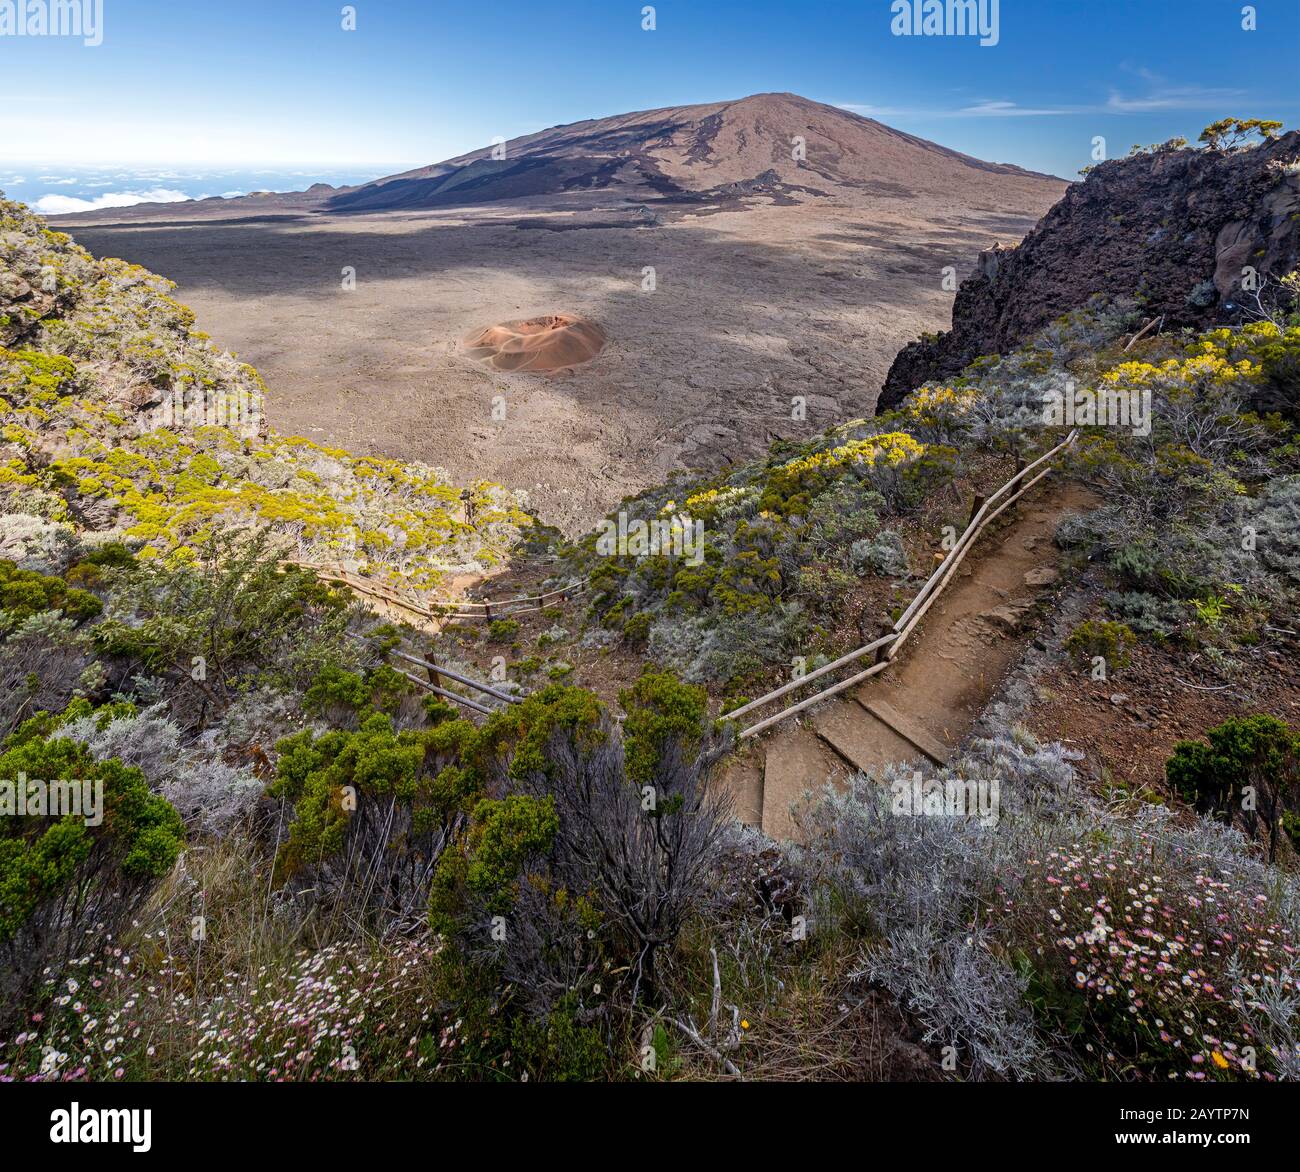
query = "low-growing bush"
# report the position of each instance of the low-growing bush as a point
(1145, 614)
(1112, 641)
(63, 873)
(1248, 775)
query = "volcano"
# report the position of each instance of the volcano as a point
(671, 288)
(779, 145)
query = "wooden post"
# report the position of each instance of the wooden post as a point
(886, 627)
(978, 504)
(487, 610)
(435, 677)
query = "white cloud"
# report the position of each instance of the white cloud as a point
(1171, 98)
(58, 205)
(1159, 96)
(989, 108)
(994, 109)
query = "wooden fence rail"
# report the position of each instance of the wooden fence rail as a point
(464, 701)
(487, 609)
(497, 608)
(910, 619)
(438, 670)
(916, 610)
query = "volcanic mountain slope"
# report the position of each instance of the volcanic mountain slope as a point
(752, 268)
(778, 143)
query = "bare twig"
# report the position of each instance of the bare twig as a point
(1143, 331)
(1202, 688)
(712, 1051)
(717, 994)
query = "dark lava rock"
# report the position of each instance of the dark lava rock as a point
(1177, 226)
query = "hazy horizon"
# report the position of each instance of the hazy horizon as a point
(291, 92)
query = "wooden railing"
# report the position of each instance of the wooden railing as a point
(888, 646)
(438, 671)
(502, 608)
(885, 648)
(487, 609)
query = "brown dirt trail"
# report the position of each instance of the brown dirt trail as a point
(926, 703)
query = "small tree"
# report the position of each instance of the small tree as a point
(215, 628)
(611, 851)
(1231, 133)
(373, 811)
(1248, 775)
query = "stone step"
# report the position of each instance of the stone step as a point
(865, 741)
(795, 763)
(907, 728)
(742, 775)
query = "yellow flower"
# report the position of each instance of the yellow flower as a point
(1219, 1060)
(744, 1025)
(892, 448)
(930, 404)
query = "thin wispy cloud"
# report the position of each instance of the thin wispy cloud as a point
(1002, 109)
(1157, 98)
(991, 108)
(1172, 98)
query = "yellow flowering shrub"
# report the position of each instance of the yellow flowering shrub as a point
(81, 397)
(891, 449)
(934, 406)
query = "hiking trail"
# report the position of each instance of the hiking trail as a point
(925, 704)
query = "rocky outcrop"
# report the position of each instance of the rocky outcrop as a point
(1177, 227)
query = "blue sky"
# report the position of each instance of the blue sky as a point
(261, 85)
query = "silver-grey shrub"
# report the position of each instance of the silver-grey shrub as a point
(210, 795)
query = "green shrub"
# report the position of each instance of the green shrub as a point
(334, 689)
(373, 809)
(229, 624)
(503, 630)
(665, 719)
(1146, 614)
(24, 593)
(503, 835)
(637, 629)
(112, 554)
(1248, 774)
(1112, 641)
(60, 876)
(515, 740)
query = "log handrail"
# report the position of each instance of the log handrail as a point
(973, 528)
(535, 600)
(440, 670)
(465, 701)
(915, 612)
(469, 682)
(909, 619)
(438, 610)
(812, 675)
